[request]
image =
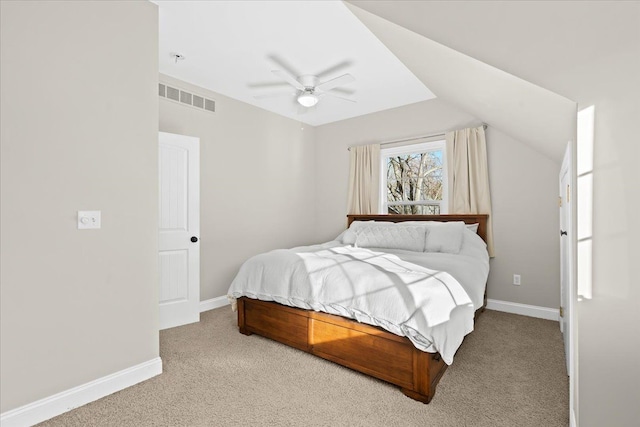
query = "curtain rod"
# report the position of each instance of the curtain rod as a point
(415, 138)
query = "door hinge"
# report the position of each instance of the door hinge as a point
(561, 312)
(559, 201)
(568, 192)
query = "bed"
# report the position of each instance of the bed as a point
(357, 339)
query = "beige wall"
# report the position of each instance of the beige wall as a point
(524, 195)
(79, 132)
(608, 324)
(524, 188)
(257, 182)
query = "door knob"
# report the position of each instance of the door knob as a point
(194, 239)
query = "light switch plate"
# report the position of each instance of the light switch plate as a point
(88, 220)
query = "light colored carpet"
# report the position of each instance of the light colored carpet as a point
(509, 372)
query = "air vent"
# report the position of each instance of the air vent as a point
(186, 98)
(210, 105)
(173, 93)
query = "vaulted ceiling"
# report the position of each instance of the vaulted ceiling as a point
(538, 41)
(536, 116)
(495, 60)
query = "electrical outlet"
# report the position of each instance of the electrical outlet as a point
(516, 279)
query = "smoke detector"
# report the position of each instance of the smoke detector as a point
(177, 57)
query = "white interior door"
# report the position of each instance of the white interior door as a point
(566, 292)
(179, 247)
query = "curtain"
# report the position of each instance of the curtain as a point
(468, 175)
(364, 179)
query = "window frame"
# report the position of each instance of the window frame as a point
(418, 148)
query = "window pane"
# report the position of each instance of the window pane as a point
(431, 188)
(394, 191)
(407, 186)
(395, 209)
(430, 210)
(414, 209)
(415, 176)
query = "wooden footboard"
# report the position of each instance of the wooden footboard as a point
(361, 347)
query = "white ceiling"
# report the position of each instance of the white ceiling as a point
(231, 47)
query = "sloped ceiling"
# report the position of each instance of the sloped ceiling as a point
(543, 42)
(534, 115)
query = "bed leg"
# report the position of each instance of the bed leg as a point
(423, 389)
(416, 396)
(241, 319)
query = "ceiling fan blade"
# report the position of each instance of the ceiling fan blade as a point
(342, 91)
(284, 75)
(283, 65)
(339, 97)
(338, 81)
(334, 70)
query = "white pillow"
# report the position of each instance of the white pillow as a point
(407, 237)
(473, 227)
(474, 246)
(445, 237)
(349, 235)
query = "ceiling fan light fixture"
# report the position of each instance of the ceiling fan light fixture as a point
(307, 99)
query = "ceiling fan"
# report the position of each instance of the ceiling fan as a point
(308, 88)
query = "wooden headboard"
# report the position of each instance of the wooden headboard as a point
(480, 219)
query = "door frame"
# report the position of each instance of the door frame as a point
(570, 290)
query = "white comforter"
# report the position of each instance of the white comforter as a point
(429, 307)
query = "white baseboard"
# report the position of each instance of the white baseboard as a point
(52, 406)
(524, 309)
(212, 303)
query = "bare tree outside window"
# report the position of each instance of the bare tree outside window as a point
(415, 183)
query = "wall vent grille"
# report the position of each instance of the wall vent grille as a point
(183, 97)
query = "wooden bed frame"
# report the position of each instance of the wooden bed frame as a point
(364, 348)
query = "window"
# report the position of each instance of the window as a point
(584, 155)
(414, 179)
